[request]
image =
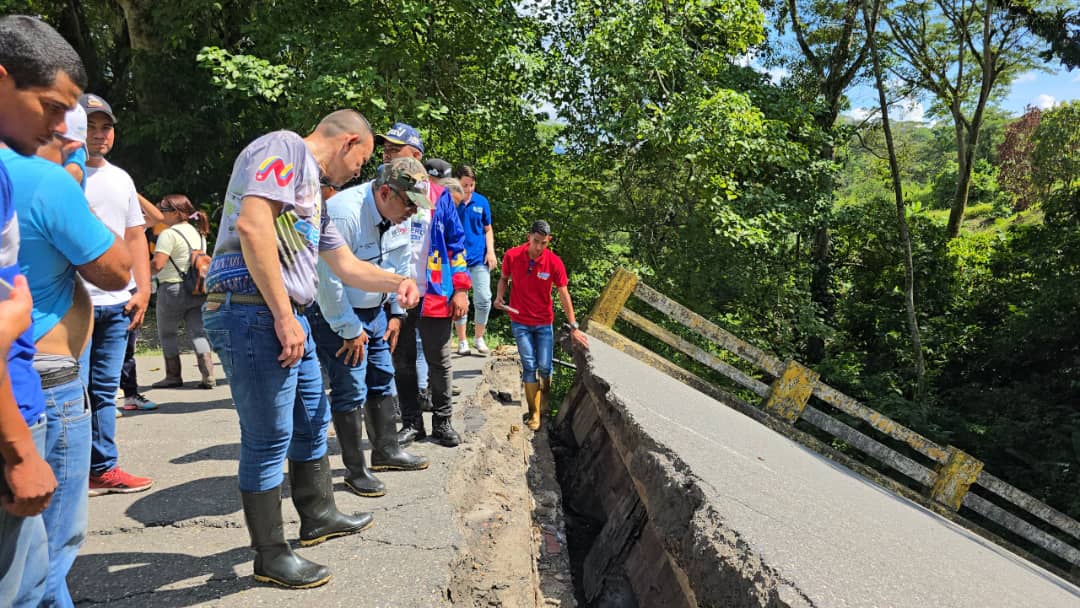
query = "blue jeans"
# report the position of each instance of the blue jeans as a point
(350, 385)
(24, 550)
(67, 450)
(535, 344)
(282, 411)
(481, 295)
(100, 367)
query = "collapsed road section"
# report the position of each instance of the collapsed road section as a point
(698, 505)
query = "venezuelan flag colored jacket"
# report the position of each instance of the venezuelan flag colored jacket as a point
(446, 268)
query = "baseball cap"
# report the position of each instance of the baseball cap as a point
(402, 135)
(407, 175)
(75, 124)
(540, 227)
(93, 103)
(437, 168)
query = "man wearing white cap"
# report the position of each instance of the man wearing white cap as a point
(74, 149)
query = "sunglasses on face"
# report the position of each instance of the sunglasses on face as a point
(405, 199)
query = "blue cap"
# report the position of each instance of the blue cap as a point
(402, 135)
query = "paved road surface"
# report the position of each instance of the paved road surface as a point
(184, 540)
(840, 540)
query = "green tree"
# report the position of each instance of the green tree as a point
(1055, 160)
(706, 170)
(963, 52)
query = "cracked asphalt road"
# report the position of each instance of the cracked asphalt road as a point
(183, 543)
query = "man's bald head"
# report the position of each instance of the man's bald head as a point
(342, 142)
(344, 122)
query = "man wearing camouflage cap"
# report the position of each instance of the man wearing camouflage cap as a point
(354, 329)
(438, 265)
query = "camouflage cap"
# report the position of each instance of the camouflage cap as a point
(407, 175)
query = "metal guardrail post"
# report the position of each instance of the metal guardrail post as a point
(614, 297)
(954, 478)
(791, 391)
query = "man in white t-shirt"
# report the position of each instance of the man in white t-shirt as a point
(113, 199)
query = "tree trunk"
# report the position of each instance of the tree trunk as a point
(871, 17)
(72, 25)
(963, 181)
(152, 95)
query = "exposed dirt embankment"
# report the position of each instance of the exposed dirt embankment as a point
(508, 503)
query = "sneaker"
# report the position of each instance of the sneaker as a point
(463, 347)
(138, 401)
(117, 481)
(481, 346)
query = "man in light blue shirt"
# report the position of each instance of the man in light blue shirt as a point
(347, 322)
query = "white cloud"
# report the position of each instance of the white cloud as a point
(777, 74)
(860, 114)
(1044, 101)
(911, 110)
(1026, 77)
(907, 110)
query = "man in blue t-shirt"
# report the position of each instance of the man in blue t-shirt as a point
(475, 214)
(41, 77)
(59, 236)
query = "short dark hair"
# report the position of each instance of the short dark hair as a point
(461, 171)
(33, 53)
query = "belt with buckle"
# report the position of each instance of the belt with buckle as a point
(59, 376)
(253, 299)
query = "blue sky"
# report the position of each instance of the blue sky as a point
(1040, 89)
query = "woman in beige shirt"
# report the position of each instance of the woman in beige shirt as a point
(187, 230)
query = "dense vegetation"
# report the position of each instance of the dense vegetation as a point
(752, 198)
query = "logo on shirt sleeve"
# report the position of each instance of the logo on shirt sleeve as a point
(283, 174)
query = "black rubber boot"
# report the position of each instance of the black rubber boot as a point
(349, 427)
(275, 561)
(444, 434)
(412, 429)
(313, 495)
(386, 452)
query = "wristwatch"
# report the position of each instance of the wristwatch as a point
(572, 326)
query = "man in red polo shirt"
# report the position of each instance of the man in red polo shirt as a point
(534, 270)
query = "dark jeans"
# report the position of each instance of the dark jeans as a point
(129, 381)
(374, 374)
(283, 411)
(435, 336)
